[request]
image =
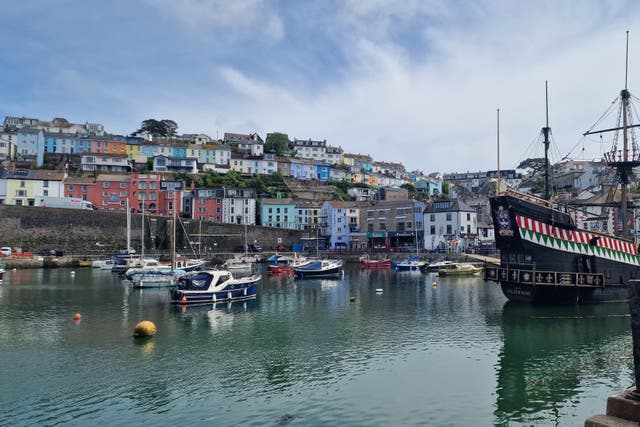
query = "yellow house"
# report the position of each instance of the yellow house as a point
(240, 165)
(132, 149)
(27, 187)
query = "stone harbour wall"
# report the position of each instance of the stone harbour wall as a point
(82, 232)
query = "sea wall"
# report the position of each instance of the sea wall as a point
(80, 232)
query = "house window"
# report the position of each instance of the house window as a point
(123, 185)
(448, 216)
(432, 217)
(448, 228)
(433, 229)
(45, 192)
(468, 217)
(106, 184)
(45, 184)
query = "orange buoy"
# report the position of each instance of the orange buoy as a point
(144, 329)
(76, 316)
(184, 299)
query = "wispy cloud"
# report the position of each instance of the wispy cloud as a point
(239, 18)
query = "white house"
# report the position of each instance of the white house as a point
(450, 224)
(239, 206)
(336, 217)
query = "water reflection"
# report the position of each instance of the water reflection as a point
(550, 354)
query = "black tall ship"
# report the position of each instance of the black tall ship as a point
(545, 257)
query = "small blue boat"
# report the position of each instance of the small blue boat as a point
(209, 286)
(321, 268)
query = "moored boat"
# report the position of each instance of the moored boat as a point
(209, 286)
(2, 270)
(156, 278)
(437, 266)
(460, 269)
(410, 264)
(366, 262)
(284, 263)
(319, 268)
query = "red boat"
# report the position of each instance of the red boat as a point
(374, 263)
(279, 269)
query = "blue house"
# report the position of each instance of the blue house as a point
(302, 170)
(323, 172)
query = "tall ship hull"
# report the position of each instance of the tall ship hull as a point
(545, 258)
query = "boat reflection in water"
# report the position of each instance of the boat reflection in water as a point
(218, 316)
(553, 356)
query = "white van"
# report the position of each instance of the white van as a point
(5, 251)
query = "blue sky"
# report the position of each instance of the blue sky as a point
(412, 81)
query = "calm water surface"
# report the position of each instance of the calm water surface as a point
(454, 354)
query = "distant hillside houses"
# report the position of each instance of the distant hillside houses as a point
(379, 204)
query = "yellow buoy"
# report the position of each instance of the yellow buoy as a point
(434, 284)
(145, 329)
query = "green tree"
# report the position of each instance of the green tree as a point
(155, 127)
(278, 143)
(534, 166)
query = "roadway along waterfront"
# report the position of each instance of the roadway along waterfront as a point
(303, 353)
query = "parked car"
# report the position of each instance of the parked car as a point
(255, 247)
(5, 251)
(52, 252)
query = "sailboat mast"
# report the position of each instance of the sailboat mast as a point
(546, 131)
(173, 233)
(625, 96)
(498, 144)
(142, 233)
(128, 228)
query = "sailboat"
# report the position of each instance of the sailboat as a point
(412, 263)
(155, 275)
(243, 263)
(545, 257)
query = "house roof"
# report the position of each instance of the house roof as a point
(270, 201)
(454, 206)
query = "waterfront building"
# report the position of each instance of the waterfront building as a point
(450, 225)
(336, 226)
(162, 163)
(27, 187)
(278, 213)
(207, 204)
(79, 187)
(308, 214)
(103, 162)
(239, 206)
(392, 223)
(111, 192)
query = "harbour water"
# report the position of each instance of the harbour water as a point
(304, 353)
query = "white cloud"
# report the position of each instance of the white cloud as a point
(240, 18)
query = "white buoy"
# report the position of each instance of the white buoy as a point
(379, 290)
(73, 273)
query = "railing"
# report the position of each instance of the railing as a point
(617, 156)
(531, 199)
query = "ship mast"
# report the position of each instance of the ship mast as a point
(620, 159)
(625, 171)
(545, 132)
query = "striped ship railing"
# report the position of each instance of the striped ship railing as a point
(543, 278)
